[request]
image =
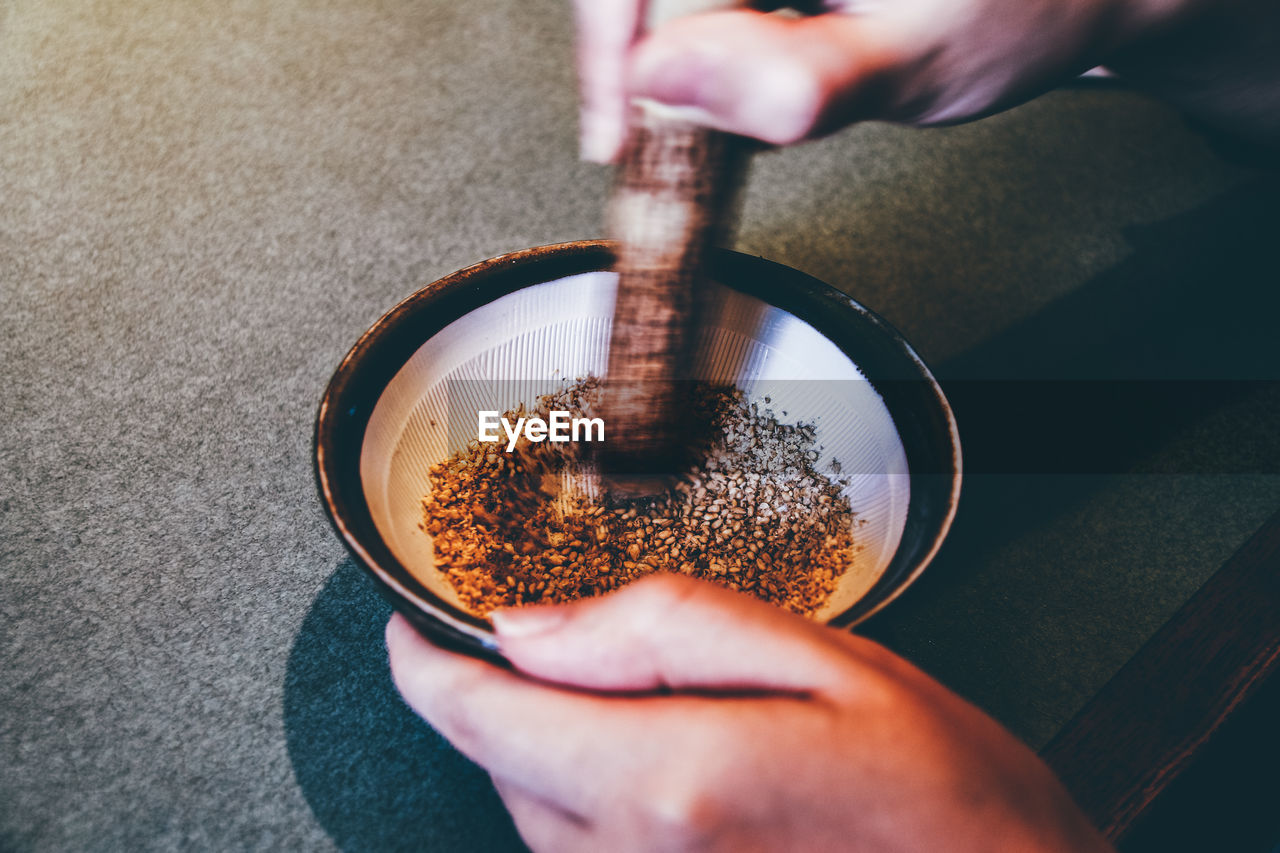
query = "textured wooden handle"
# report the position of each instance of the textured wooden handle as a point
(674, 200)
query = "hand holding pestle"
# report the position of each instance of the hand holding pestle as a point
(674, 200)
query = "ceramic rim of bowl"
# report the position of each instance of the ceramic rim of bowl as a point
(920, 411)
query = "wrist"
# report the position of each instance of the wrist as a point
(1213, 59)
(1138, 19)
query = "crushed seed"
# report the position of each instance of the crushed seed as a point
(506, 533)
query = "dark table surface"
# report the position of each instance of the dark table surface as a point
(202, 206)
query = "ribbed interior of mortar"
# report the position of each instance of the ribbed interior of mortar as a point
(534, 340)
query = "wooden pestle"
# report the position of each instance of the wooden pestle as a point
(674, 200)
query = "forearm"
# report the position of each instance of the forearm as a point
(1218, 61)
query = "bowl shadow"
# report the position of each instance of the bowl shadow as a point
(374, 774)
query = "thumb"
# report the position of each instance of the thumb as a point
(673, 631)
(773, 78)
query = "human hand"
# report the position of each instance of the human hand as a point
(782, 79)
(674, 714)
(922, 62)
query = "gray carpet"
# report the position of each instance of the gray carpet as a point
(202, 206)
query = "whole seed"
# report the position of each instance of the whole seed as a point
(504, 535)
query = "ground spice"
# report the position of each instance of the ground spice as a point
(512, 528)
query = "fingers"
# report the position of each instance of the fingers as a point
(606, 30)
(673, 631)
(773, 78)
(778, 79)
(539, 739)
(577, 750)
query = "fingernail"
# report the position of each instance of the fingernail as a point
(520, 622)
(676, 112)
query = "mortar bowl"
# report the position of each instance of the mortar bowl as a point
(509, 329)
